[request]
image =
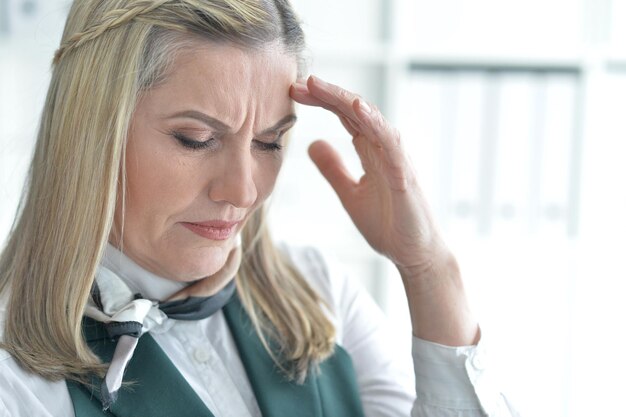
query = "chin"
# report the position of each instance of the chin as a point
(200, 263)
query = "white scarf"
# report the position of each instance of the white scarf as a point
(128, 315)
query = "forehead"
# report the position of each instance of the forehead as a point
(228, 82)
(218, 60)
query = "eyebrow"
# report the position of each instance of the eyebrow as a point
(290, 119)
(215, 123)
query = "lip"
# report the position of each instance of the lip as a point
(213, 229)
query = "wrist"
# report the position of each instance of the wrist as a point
(432, 271)
(437, 302)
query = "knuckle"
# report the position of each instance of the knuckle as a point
(395, 136)
(379, 122)
(343, 95)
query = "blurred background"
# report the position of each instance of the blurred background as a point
(514, 115)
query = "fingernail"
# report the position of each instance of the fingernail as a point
(318, 81)
(365, 107)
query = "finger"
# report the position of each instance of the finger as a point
(369, 154)
(360, 114)
(334, 96)
(332, 168)
(383, 135)
(300, 93)
(378, 130)
(349, 125)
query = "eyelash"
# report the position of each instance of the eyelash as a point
(269, 147)
(196, 145)
(190, 143)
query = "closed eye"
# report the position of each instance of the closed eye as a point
(273, 145)
(268, 146)
(192, 143)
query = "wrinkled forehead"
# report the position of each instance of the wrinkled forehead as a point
(235, 85)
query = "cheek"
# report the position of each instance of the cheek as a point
(157, 183)
(266, 175)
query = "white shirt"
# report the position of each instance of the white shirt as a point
(445, 382)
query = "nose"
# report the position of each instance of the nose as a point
(233, 182)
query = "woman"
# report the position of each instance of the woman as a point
(140, 279)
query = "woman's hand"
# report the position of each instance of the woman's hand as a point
(387, 206)
(386, 203)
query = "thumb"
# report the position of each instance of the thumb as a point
(332, 168)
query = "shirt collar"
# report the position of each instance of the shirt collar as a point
(139, 280)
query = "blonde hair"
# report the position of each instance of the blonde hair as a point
(112, 51)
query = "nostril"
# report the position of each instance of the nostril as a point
(237, 190)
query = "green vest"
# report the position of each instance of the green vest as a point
(159, 390)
